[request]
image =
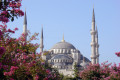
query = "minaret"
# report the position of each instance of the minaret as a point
(25, 26)
(83, 62)
(41, 41)
(93, 33)
(97, 46)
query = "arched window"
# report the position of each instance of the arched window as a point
(63, 50)
(66, 60)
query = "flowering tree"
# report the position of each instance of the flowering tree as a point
(10, 9)
(101, 72)
(18, 59)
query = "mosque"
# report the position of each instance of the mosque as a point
(63, 55)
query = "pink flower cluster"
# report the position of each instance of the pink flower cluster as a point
(9, 30)
(11, 9)
(101, 72)
(4, 19)
(14, 4)
(118, 54)
(19, 58)
(12, 70)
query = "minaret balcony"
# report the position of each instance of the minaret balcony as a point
(41, 46)
(93, 57)
(93, 32)
(93, 44)
(97, 45)
(97, 55)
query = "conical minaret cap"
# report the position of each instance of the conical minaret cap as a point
(25, 19)
(42, 32)
(93, 17)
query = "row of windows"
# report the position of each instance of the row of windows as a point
(62, 67)
(57, 60)
(63, 50)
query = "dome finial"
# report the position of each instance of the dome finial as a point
(63, 38)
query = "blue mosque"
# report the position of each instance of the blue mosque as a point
(63, 55)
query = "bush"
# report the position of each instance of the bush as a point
(101, 72)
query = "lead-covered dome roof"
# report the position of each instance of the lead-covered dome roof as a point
(63, 45)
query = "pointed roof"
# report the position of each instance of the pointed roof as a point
(25, 19)
(93, 17)
(42, 32)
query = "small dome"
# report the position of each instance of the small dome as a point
(63, 45)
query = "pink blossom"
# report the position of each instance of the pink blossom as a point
(24, 61)
(24, 57)
(13, 68)
(9, 30)
(118, 54)
(4, 19)
(11, 73)
(47, 71)
(20, 12)
(5, 73)
(36, 77)
(16, 29)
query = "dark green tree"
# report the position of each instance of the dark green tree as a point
(76, 71)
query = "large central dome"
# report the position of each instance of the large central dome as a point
(63, 45)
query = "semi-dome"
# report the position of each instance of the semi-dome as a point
(63, 45)
(61, 56)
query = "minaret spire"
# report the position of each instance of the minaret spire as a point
(93, 20)
(97, 46)
(93, 33)
(41, 41)
(25, 18)
(25, 26)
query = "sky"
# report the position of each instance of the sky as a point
(73, 19)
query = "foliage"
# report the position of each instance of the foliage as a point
(76, 72)
(10, 9)
(66, 77)
(101, 72)
(18, 58)
(19, 61)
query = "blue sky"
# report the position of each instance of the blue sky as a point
(73, 18)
